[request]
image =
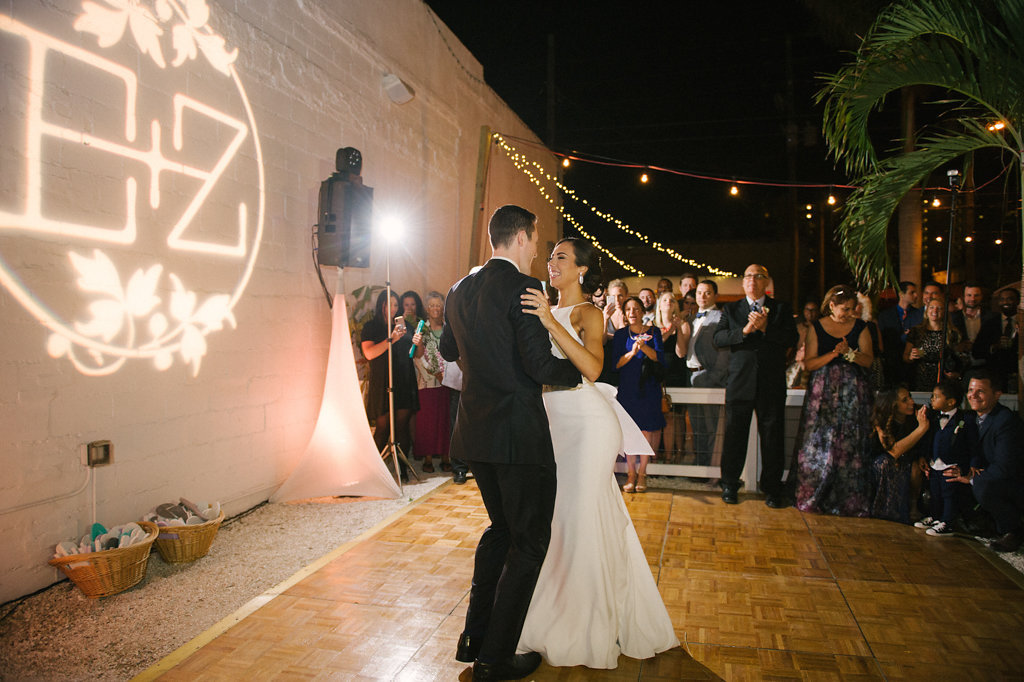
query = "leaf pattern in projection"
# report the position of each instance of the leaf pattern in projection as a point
(190, 34)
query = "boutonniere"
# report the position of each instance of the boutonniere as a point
(959, 425)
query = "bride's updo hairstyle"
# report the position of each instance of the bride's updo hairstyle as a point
(586, 255)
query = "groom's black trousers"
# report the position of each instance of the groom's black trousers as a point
(520, 500)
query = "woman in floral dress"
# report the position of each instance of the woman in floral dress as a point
(833, 440)
(432, 421)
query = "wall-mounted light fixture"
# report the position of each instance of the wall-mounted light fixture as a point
(398, 91)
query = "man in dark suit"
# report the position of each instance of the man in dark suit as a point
(502, 433)
(969, 323)
(758, 331)
(996, 473)
(996, 343)
(893, 324)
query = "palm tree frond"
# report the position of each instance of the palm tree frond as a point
(865, 221)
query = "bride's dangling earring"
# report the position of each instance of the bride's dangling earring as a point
(581, 279)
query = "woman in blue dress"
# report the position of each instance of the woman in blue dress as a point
(640, 361)
(834, 437)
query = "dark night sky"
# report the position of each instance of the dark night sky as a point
(701, 87)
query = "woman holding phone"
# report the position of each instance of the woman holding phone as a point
(374, 343)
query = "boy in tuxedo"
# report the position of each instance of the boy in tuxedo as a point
(954, 433)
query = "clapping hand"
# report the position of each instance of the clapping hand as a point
(756, 321)
(843, 347)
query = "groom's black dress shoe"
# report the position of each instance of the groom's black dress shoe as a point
(512, 668)
(729, 495)
(468, 648)
(777, 502)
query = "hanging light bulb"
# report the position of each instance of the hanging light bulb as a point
(968, 239)
(939, 238)
(643, 178)
(936, 203)
(999, 240)
(831, 200)
(565, 162)
(734, 190)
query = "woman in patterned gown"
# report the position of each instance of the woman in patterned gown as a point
(834, 436)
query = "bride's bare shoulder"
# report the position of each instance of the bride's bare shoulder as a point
(585, 312)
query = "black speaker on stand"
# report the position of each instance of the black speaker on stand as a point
(345, 216)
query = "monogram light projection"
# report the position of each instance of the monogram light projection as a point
(132, 199)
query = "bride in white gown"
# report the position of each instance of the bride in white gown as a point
(595, 597)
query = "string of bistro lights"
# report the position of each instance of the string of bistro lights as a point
(521, 162)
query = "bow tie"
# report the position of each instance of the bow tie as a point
(944, 419)
(700, 315)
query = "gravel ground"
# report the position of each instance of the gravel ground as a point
(59, 634)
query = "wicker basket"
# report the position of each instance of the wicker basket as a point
(187, 543)
(101, 574)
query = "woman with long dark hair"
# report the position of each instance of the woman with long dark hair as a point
(899, 428)
(595, 596)
(374, 343)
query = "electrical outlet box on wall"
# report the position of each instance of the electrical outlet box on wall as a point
(98, 453)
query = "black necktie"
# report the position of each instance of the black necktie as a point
(1008, 328)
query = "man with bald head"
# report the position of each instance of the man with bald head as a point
(758, 330)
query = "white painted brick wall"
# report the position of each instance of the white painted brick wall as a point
(312, 70)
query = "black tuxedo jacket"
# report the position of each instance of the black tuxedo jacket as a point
(757, 362)
(1000, 447)
(505, 357)
(1002, 360)
(954, 443)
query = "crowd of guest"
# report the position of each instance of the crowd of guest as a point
(863, 448)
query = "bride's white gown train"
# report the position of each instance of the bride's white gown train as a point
(595, 597)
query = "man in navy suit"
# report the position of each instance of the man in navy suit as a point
(893, 324)
(996, 472)
(758, 330)
(502, 433)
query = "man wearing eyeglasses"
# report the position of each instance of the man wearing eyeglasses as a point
(759, 331)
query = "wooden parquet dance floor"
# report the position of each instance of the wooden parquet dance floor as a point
(754, 593)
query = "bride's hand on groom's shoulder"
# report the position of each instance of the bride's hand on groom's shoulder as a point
(536, 303)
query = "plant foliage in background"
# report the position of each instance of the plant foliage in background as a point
(973, 50)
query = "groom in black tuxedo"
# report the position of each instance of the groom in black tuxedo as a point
(502, 433)
(758, 330)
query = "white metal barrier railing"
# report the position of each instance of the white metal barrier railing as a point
(676, 463)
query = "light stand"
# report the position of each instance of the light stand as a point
(392, 448)
(954, 185)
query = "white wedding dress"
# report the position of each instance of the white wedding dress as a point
(595, 597)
